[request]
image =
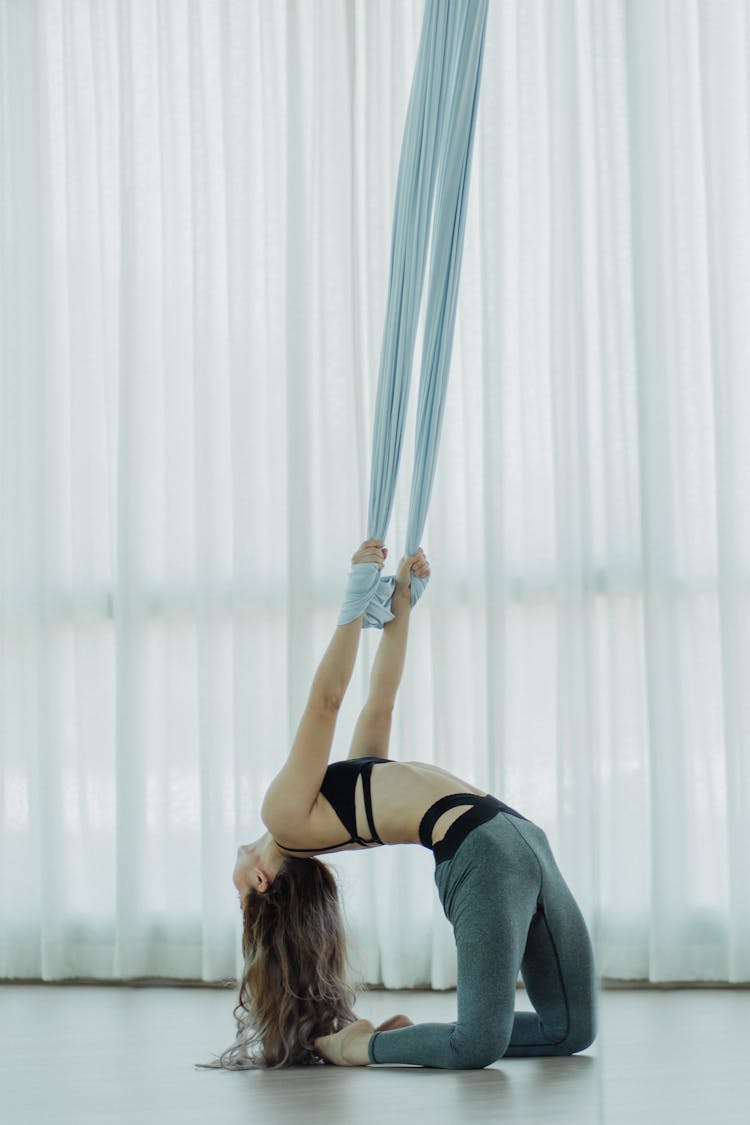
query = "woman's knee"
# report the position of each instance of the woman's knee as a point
(582, 1030)
(474, 1052)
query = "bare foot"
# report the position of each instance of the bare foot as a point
(395, 1022)
(347, 1047)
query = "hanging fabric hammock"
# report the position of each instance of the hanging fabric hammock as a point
(435, 154)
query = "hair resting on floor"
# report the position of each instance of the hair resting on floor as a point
(293, 986)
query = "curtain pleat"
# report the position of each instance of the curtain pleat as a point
(196, 203)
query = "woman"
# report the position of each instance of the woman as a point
(497, 879)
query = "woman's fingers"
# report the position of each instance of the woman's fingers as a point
(374, 551)
(371, 551)
(419, 564)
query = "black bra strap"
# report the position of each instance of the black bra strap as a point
(366, 792)
(314, 851)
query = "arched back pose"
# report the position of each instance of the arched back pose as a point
(498, 882)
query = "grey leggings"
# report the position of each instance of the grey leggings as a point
(510, 909)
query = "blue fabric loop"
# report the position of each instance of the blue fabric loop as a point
(369, 592)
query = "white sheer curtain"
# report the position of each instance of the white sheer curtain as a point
(195, 211)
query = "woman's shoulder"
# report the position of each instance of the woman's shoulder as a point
(309, 833)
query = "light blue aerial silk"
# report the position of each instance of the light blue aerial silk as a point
(436, 149)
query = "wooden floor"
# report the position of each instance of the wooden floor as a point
(75, 1055)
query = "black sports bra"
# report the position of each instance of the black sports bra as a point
(339, 786)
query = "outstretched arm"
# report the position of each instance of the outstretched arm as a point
(335, 669)
(295, 788)
(388, 665)
(372, 733)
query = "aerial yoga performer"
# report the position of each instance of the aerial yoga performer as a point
(500, 887)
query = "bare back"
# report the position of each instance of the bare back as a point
(400, 798)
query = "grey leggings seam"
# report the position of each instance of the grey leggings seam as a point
(520, 834)
(553, 943)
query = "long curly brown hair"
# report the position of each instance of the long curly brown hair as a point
(293, 987)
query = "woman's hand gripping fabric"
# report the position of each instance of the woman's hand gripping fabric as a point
(369, 593)
(416, 565)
